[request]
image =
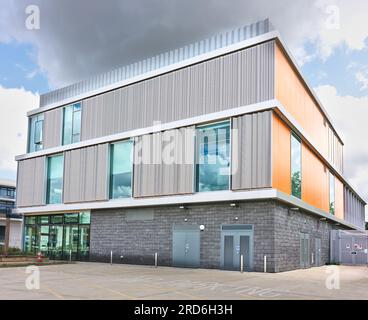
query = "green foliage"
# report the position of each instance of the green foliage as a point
(13, 251)
(296, 185)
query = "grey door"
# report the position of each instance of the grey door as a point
(317, 252)
(236, 241)
(347, 250)
(304, 250)
(186, 246)
(359, 245)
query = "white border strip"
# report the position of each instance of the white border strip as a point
(191, 199)
(261, 106)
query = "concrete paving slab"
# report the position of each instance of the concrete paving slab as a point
(104, 281)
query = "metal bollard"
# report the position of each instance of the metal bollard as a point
(264, 263)
(70, 255)
(111, 257)
(156, 259)
(241, 263)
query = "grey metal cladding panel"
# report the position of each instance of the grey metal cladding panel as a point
(226, 82)
(52, 128)
(354, 209)
(251, 151)
(154, 175)
(86, 174)
(31, 187)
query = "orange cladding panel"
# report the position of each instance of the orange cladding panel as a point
(281, 155)
(294, 96)
(315, 187)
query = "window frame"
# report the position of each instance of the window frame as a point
(196, 154)
(331, 181)
(33, 144)
(297, 138)
(110, 168)
(73, 106)
(47, 168)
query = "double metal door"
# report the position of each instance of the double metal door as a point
(186, 246)
(237, 244)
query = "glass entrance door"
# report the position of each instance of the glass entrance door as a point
(70, 247)
(56, 242)
(44, 239)
(83, 247)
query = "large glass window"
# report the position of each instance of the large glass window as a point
(62, 236)
(332, 193)
(213, 157)
(72, 124)
(296, 166)
(121, 170)
(36, 133)
(55, 179)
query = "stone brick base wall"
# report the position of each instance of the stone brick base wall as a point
(276, 234)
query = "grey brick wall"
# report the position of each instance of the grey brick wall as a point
(276, 234)
(288, 226)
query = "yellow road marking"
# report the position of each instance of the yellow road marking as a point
(53, 292)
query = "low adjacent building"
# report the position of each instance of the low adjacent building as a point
(7, 218)
(213, 155)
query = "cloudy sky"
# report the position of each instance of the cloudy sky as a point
(78, 38)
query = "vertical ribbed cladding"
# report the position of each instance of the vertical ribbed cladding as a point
(155, 177)
(252, 153)
(354, 208)
(31, 182)
(233, 80)
(195, 49)
(85, 176)
(52, 128)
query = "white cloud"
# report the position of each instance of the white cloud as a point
(350, 115)
(14, 103)
(85, 37)
(362, 78)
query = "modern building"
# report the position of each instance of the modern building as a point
(206, 155)
(7, 218)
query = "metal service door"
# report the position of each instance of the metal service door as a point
(237, 241)
(359, 247)
(186, 246)
(317, 252)
(304, 250)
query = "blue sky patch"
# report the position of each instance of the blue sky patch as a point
(18, 68)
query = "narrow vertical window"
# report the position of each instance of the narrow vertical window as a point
(55, 169)
(72, 124)
(296, 166)
(213, 157)
(36, 133)
(332, 193)
(121, 170)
